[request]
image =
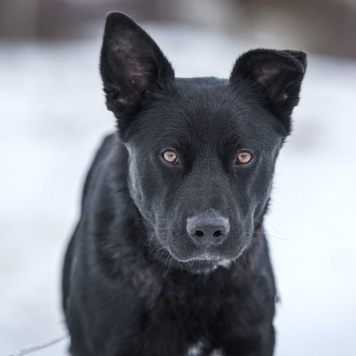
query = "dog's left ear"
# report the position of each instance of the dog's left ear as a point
(131, 64)
(275, 76)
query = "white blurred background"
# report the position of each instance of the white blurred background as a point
(53, 117)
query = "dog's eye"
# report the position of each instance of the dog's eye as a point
(244, 157)
(170, 156)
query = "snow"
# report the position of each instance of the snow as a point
(52, 118)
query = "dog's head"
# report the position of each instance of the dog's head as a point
(202, 151)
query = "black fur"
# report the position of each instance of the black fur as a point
(135, 281)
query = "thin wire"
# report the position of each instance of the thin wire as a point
(36, 348)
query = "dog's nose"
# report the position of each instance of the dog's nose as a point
(208, 230)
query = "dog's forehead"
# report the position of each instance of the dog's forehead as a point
(194, 103)
(206, 111)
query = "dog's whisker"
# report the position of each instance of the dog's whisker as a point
(275, 237)
(158, 251)
(165, 262)
(243, 257)
(153, 250)
(162, 253)
(279, 236)
(170, 262)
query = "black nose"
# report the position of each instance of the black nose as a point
(208, 230)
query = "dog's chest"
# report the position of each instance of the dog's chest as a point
(186, 312)
(199, 349)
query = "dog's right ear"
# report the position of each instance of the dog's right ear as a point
(131, 64)
(275, 76)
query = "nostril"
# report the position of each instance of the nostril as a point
(218, 234)
(207, 230)
(199, 233)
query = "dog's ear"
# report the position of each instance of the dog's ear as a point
(130, 64)
(275, 76)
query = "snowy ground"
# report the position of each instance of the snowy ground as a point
(52, 118)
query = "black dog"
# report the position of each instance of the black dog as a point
(169, 257)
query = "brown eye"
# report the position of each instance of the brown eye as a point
(170, 156)
(243, 157)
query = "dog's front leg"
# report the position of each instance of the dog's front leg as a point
(245, 328)
(256, 344)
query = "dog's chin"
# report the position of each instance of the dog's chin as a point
(202, 260)
(201, 265)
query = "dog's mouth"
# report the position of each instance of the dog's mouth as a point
(204, 259)
(198, 260)
(204, 263)
(207, 262)
(177, 250)
(206, 254)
